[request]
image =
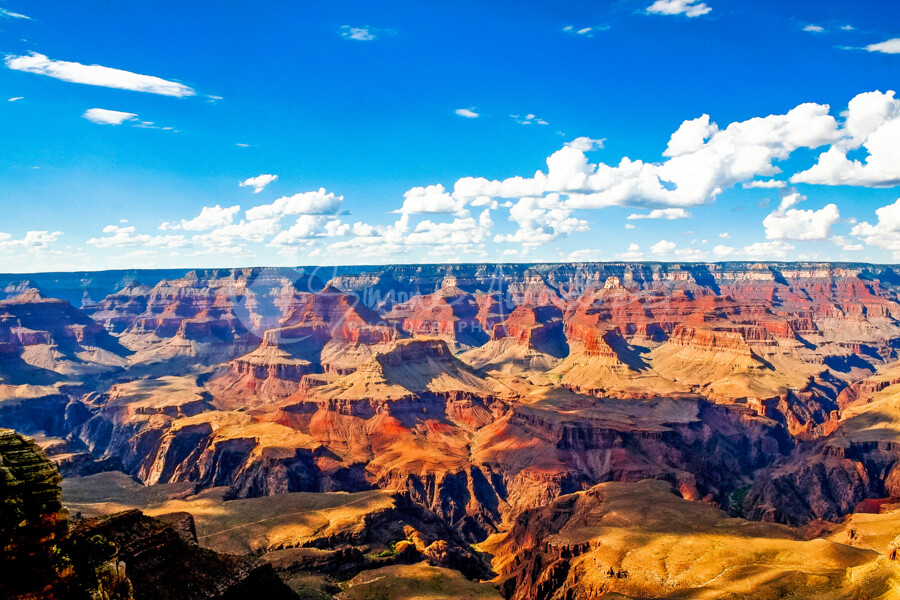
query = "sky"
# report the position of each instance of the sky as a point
(156, 133)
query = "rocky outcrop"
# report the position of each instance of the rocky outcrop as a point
(127, 556)
(32, 520)
(449, 313)
(163, 562)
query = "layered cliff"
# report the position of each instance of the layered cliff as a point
(830, 477)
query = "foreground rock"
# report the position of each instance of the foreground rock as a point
(120, 557)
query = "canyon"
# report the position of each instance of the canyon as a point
(536, 431)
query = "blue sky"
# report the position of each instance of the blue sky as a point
(413, 131)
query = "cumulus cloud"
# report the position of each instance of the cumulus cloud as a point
(123, 237)
(814, 28)
(721, 251)
(690, 136)
(765, 184)
(467, 113)
(688, 8)
(633, 253)
(703, 160)
(663, 247)
(210, 217)
(788, 223)
(872, 122)
(259, 182)
(256, 231)
(311, 203)
(886, 232)
(365, 33)
(460, 231)
(585, 144)
(102, 116)
(768, 250)
(669, 214)
(96, 75)
(430, 199)
(891, 46)
(308, 227)
(585, 255)
(541, 220)
(31, 239)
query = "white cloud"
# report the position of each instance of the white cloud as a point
(688, 8)
(886, 232)
(872, 122)
(210, 217)
(32, 239)
(629, 226)
(663, 247)
(308, 227)
(790, 200)
(764, 250)
(13, 15)
(308, 203)
(102, 116)
(121, 237)
(667, 248)
(586, 255)
(703, 161)
(541, 220)
(460, 231)
(814, 28)
(585, 144)
(432, 199)
(891, 46)
(765, 184)
(690, 136)
(96, 75)
(788, 223)
(633, 253)
(669, 214)
(584, 31)
(467, 113)
(256, 231)
(690, 254)
(529, 119)
(725, 235)
(365, 33)
(721, 251)
(259, 182)
(15, 98)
